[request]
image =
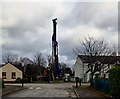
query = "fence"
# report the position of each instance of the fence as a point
(102, 85)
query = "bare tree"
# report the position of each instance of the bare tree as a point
(114, 50)
(92, 47)
(9, 57)
(49, 60)
(39, 61)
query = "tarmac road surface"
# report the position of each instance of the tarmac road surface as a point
(56, 90)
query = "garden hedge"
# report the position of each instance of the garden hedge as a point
(114, 80)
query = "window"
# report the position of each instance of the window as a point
(13, 75)
(4, 75)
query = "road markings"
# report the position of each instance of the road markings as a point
(38, 88)
(31, 88)
(35, 88)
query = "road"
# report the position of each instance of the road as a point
(45, 90)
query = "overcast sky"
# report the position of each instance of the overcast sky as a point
(27, 26)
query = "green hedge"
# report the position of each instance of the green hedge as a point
(114, 80)
(19, 80)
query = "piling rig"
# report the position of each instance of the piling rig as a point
(55, 60)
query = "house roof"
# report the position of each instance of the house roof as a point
(17, 66)
(102, 59)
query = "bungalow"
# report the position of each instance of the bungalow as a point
(82, 69)
(9, 72)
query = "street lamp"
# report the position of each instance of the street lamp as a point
(23, 73)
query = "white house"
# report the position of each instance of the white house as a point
(104, 63)
(9, 72)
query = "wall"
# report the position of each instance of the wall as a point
(86, 76)
(78, 68)
(104, 70)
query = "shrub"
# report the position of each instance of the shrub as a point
(114, 79)
(18, 80)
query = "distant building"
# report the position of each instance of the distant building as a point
(9, 72)
(26, 61)
(82, 70)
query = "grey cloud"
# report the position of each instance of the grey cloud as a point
(26, 46)
(92, 14)
(66, 48)
(22, 27)
(19, 37)
(108, 23)
(82, 13)
(31, 34)
(28, 18)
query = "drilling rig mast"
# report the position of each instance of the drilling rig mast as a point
(55, 63)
